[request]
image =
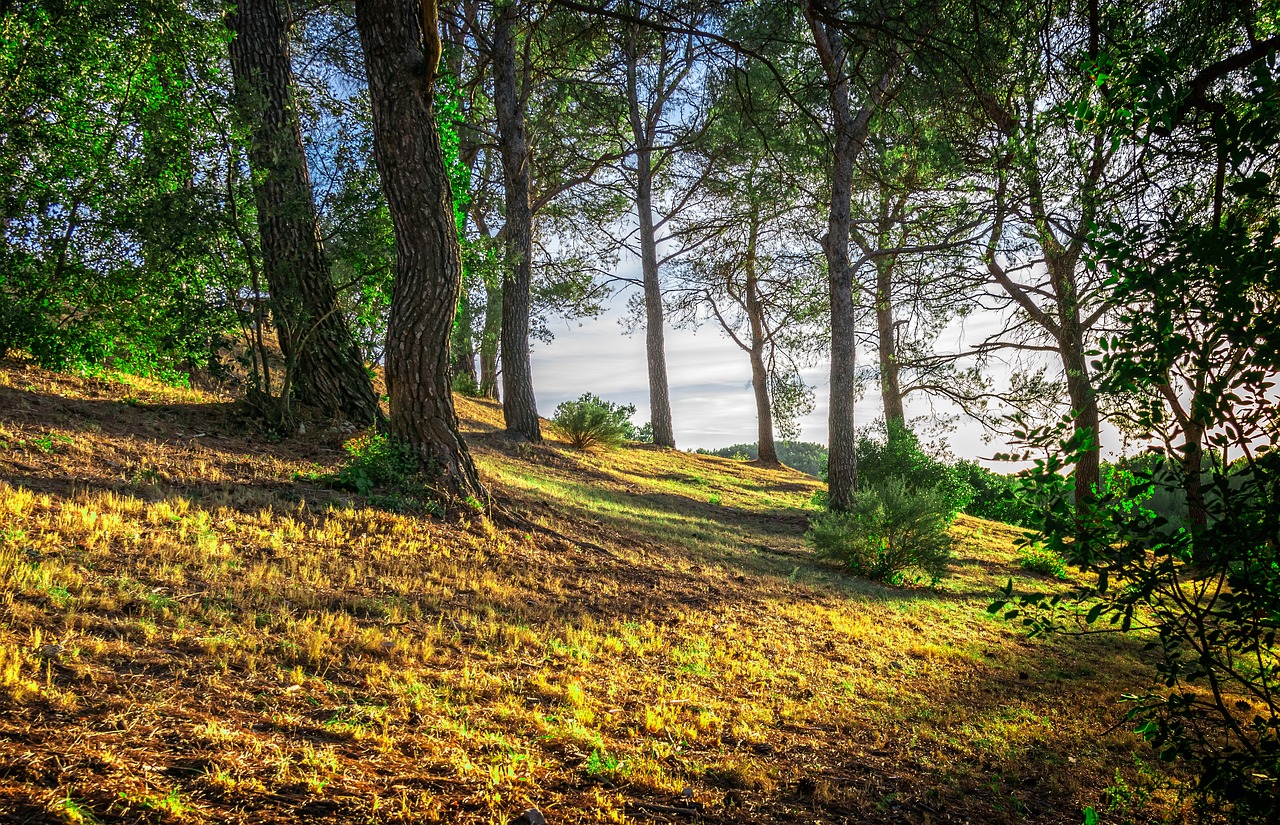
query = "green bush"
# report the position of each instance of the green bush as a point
(591, 422)
(1036, 558)
(996, 496)
(384, 471)
(896, 453)
(891, 533)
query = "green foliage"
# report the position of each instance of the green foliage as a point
(116, 247)
(805, 456)
(1185, 547)
(591, 422)
(996, 496)
(897, 455)
(1035, 558)
(373, 461)
(464, 384)
(385, 471)
(892, 533)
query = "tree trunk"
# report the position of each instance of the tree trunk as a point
(655, 347)
(895, 416)
(406, 147)
(328, 370)
(1084, 408)
(489, 339)
(519, 407)
(462, 347)
(850, 136)
(767, 451)
(1071, 347)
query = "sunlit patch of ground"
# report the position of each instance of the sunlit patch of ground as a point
(191, 635)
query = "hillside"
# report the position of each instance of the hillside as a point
(192, 635)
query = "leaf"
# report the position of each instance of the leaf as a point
(1090, 816)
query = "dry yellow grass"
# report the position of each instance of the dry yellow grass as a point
(191, 635)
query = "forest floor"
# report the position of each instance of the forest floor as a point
(190, 633)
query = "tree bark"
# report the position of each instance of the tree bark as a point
(519, 407)
(655, 346)
(850, 136)
(767, 451)
(328, 370)
(406, 148)
(890, 368)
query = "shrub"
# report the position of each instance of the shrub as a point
(376, 463)
(1036, 558)
(890, 533)
(896, 453)
(996, 496)
(373, 461)
(464, 384)
(592, 422)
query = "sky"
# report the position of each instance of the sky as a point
(710, 379)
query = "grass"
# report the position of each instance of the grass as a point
(191, 634)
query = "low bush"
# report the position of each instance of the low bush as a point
(386, 472)
(891, 533)
(591, 422)
(1036, 558)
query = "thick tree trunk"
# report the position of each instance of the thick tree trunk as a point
(328, 369)
(890, 369)
(519, 407)
(406, 147)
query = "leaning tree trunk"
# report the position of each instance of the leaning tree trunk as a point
(1080, 391)
(519, 407)
(895, 416)
(328, 370)
(766, 450)
(406, 148)
(655, 346)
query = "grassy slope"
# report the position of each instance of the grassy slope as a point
(189, 635)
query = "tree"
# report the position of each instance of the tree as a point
(519, 407)
(319, 351)
(656, 66)
(849, 129)
(749, 223)
(111, 215)
(401, 43)
(1195, 297)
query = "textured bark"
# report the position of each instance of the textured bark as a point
(519, 407)
(406, 148)
(850, 136)
(655, 346)
(890, 367)
(328, 370)
(767, 451)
